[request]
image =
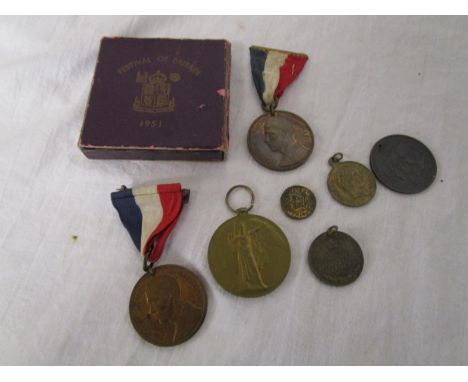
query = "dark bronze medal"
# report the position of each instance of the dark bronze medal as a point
(336, 258)
(248, 255)
(298, 202)
(350, 183)
(168, 305)
(278, 140)
(403, 164)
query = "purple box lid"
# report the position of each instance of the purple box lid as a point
(158, 99)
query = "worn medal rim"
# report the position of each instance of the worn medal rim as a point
(266, 164)
(220, 281)
(374, 164)
(349, 203)
(203, 293)
(334, 281)
(287, 212)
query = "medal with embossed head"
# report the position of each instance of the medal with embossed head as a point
(168, 304)
(350, 183)
(278, 140)
(248, 255)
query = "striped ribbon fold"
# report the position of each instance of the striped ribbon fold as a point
(149, 214)
(273, 70)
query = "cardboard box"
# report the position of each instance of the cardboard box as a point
(158, 99)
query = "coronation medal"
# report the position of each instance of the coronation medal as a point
(350, 183)
(248, 255)
(168, 304)
(278, 140)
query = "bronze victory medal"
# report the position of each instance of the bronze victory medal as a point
(280, 140)
(350, 183)
(336, 258)
(249, 255)
(403, 164)
(168, 306)
(298, 202)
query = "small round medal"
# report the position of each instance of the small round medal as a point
(280, 140)
(298, 202)
(403, 164)
(168, 305)
(248, 255)
(350, 183)
(336, 258)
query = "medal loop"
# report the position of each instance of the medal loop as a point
(270, 108)
(147, 265)
(241, 209)
(332, 230)
(335, 158)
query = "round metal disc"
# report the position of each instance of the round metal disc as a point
(280, 141)
(168, 306)
(403, 164)
(298, 202)
(351, 183)
(336, 258)
(249, 255)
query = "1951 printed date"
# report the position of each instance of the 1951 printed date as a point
(150, 123)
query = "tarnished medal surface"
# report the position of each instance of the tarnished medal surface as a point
(336, 258)
(298, 202)
(403, 164)
(248, 255)
(280, 140)
(168, 306)
(350, 183)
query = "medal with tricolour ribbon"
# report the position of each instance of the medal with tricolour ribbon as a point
(168, 304)
(278, 140)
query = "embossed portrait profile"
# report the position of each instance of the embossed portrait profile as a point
(171, 314)
(353, 183)
(285, 139)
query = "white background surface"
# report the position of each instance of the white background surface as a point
(65, 301)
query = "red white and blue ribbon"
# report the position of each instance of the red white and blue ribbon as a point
(149, 214)
(273, 70)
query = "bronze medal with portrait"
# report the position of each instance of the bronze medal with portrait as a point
(248, 255)
(298, 202)
(403, 164)
(168, 305)
(278, 140)
(350, 183)
(336, 258)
